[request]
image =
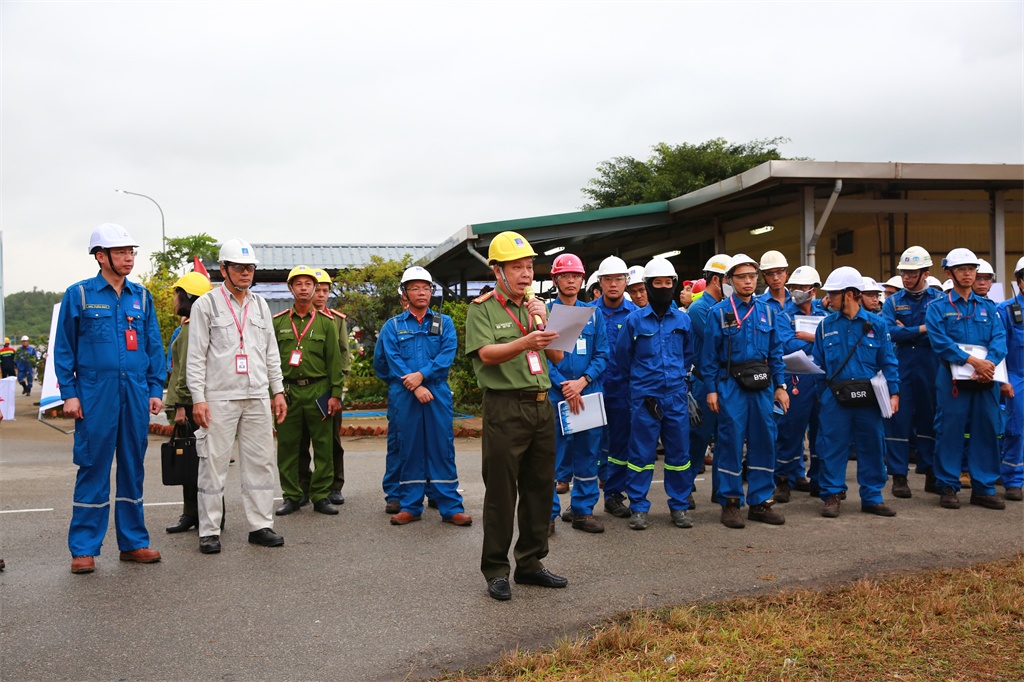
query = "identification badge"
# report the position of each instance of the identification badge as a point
(296, 358)
(131, 339)
(241, 364)
(796, 391)
(533, 360)
(581, 346)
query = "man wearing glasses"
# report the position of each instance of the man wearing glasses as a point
(234, 366)
(109, 362)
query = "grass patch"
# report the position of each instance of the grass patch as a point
(958, 624)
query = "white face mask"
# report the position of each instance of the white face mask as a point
(727, 290)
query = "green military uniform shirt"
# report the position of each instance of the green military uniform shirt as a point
(491, 318)
(179, 357)
(321, 357)
(341, 325)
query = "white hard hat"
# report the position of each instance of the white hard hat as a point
(915, 258)
(958, 257)
(805, 275)
(237, 251)
(416, 274)
(772, 260)
(947, 285)
(110, 236)
(24, 338)
(895, 281)
(933, 281)
(739, 259)
(659, 267)
(718, 263)
(591, 281)
(1018, 270)
(612, 265)
(872, 287)
(985, 268)
(635, 275)
(844, 278)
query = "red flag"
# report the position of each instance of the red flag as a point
(200, 268)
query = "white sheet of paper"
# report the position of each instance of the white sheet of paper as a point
(568, 321)
(881, 388)
(592, 415)
(965, 371)
(800, 363)
(807, 323)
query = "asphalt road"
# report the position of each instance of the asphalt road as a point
(352, 598)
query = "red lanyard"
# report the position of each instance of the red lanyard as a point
(739, 322)
(960, 315)
(238, 325)
(298, 336)
(516, 319)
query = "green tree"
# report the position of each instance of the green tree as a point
(181, 251)
(674, 170)
(161, 285)
(28, 313)
(369, 295)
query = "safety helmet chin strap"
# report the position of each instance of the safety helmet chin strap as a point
(231, 282)
(920, 276)
(110, 264)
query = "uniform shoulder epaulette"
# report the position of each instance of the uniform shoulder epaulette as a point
(339, 314)
(283, 312)
(326, 312)
(481, 299)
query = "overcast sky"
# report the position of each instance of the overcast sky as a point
(391, 121)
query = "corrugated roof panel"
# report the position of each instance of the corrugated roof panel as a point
(333, 256)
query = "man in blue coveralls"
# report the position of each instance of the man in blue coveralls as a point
(962, 318)
(25, 358)
(851, 346)
(577, 375)
(419, 346)
(392, 463)
(741, 364)
(1011, 313)
(109, 362)
(615, 308)
(904, 314)
(701, 435)
(654, 347)
(803, 388)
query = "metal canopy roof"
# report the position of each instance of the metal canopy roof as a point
(276, 260)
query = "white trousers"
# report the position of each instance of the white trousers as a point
(251, 421)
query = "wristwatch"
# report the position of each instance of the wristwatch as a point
(589, 380)
(782, 386)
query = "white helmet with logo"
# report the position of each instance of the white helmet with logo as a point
(895, 282)
(659, 267)
(110, 236)
(872, 287)
(737, 260)
(985, 268)
(958, 257)
(805, 275)
(237, 251)
(719, 263)
(416, 274)
(613, 265)
(915, 258)
(772, 260)
(635, 275)
(844, 278)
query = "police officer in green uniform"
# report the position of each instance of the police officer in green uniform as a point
(311, 364)
(507, 345)
(320, 296)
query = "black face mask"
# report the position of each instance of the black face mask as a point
(659, 299)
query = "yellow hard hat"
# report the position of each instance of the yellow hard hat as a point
(194, 283)
(7, 339)
(509, 246)
(322, 277)
(302, 270)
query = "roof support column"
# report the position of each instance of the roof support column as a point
(719, 237)
(807, 227)
(997, 227)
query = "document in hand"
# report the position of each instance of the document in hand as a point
(592, 415)
(799, 362)
(568, 321)
(964, 372)
(881, 387)
(807, 323)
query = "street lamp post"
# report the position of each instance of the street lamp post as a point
(163, 232)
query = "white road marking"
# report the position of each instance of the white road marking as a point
(23, 511)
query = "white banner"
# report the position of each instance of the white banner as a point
(7, 388)
(51, 392)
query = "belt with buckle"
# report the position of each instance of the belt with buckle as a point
(524, 396)
(303, 382)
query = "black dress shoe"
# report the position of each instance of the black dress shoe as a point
(288, 507)
(265, 537)
(336, 497)
(185, 523)
(499, 588)
(324, 506)
(543, 578)
(304, 500)
(209, 544)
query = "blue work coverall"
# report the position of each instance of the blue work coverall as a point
(951, 320)
(1012, 467)
(392, 463)
(904, 314)
(577, 455)
(615, 383)
(803, 403)
(25, 359)
(745, 416)
(700, 436)
(426, 440)
(835, 339)
(656, 353)
(114, 385)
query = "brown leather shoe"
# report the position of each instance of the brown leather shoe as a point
(949, 500)
(561, 487)
(392, 507)
(1014, 495)
(731, 516)
(82, 564)
(880, 509)
(765, 514)
(459, 519)
(988, 501)
(403, 517)
(830, 508)
(901, 487)
(587, 523)
(143, 555)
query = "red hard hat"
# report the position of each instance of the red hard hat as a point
(699, 286)
(567, 262)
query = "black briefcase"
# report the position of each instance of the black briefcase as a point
(179, 462)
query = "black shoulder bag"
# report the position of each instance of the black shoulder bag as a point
(853, 392)
(751, 376)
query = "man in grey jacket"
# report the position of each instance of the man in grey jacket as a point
(234, 366)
